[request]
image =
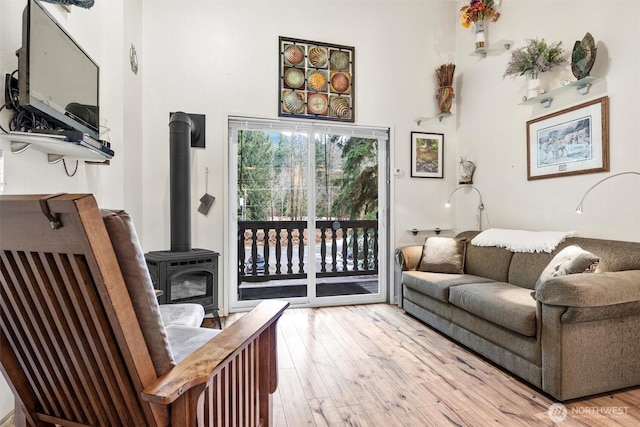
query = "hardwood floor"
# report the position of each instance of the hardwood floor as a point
(373, 365)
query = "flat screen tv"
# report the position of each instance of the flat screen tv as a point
(56, 78)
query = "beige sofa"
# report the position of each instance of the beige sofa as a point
(570, 336)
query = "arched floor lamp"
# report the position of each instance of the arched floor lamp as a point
(580, 207)
(480, 204)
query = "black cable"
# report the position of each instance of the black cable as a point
(1, 127)
(64, 163)
(11, 93)
(25, 121)
(11, 97)
(22, 120)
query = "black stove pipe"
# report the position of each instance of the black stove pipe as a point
(180, 130)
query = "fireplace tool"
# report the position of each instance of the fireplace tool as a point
(206, 201)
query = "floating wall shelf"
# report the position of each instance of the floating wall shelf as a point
(436, 230)
(439, 117)
(56, 147)
(582, 86)
(497, 48)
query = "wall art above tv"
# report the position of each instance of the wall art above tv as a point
(316, 80)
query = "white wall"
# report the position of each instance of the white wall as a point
(100, 31)
(132, 151)
(223, 60)
(220, 58)
(491, 126)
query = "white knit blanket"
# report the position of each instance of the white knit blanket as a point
(521, 240)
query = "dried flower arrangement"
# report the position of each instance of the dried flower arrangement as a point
(537, 56)
(445, 74)
(477, 11)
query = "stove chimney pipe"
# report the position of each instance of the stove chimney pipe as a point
(180, 130)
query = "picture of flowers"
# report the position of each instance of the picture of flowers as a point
(427, 152)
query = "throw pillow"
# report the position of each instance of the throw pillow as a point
(443, 255)
(570, 260)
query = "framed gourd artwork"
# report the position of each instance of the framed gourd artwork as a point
(316, 80)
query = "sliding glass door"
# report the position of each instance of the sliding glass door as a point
(310, 212)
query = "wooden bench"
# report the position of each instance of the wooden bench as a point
(72, 347)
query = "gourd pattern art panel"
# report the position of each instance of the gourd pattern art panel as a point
(316, 80)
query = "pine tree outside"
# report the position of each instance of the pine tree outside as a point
(272, 192)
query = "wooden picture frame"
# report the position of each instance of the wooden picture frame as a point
(572, 141)
(316, 80)
(427, 155)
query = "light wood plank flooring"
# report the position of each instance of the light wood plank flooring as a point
(373, 365)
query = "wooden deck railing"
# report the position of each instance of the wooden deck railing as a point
(275, 250)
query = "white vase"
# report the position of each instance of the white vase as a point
(533, 86)
(480, 37)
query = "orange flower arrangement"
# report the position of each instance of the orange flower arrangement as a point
(477, 11)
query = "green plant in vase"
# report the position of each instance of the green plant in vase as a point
(537, 56)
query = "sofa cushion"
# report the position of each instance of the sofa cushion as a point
(184, 340)
(486, 261)
(436, 285)
(443, 255)
(134, 270)
(570, 260)
(525, 268)
(501, 303)
(182, 314)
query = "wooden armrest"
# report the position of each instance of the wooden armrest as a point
(203, 363)
(158, 292)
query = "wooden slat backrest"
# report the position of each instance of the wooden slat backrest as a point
(70, 344)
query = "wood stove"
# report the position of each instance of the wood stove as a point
(186, 277)
(184, 274)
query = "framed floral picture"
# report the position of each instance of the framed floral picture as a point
(569, 142)
(316, 80)
(427, 155)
